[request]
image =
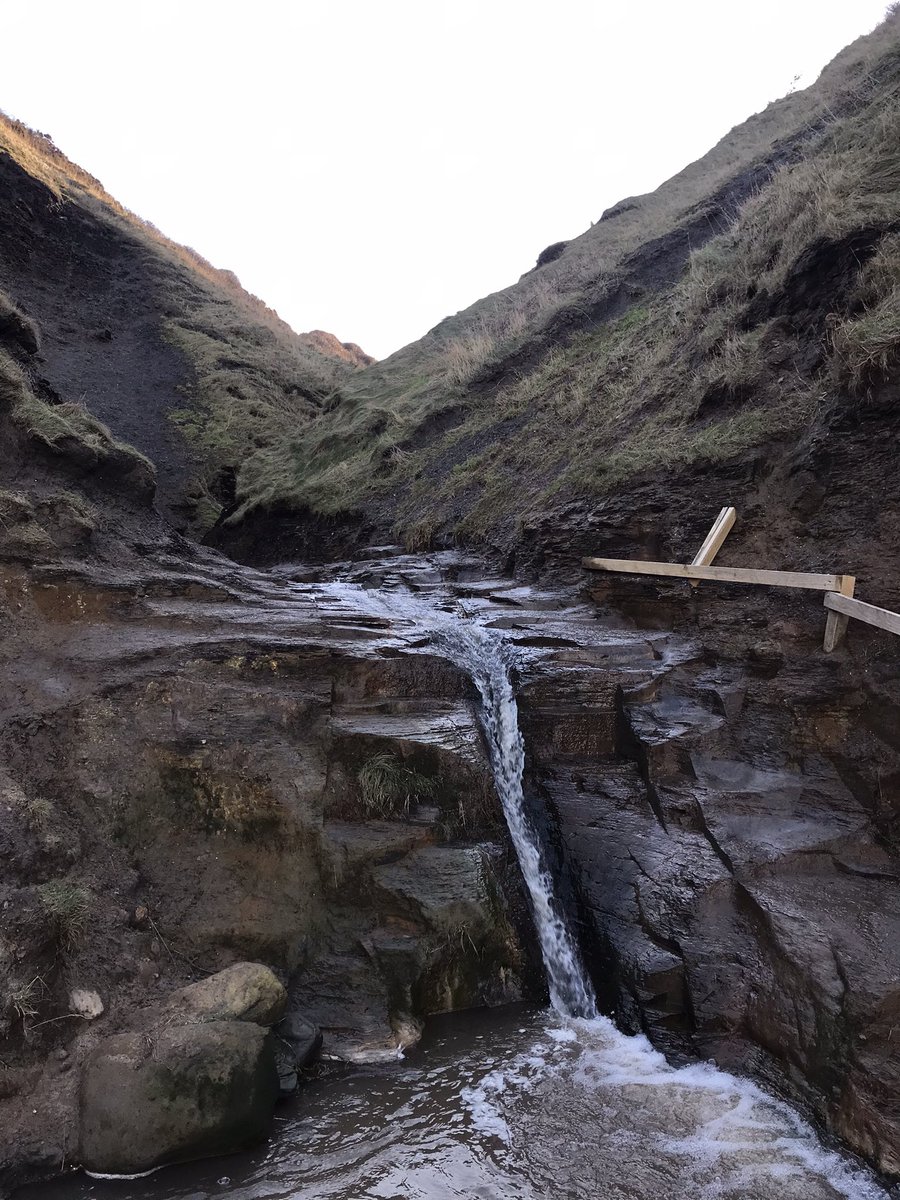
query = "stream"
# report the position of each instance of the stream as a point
(516, 1102)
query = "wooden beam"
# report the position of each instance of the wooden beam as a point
(836, 622)
(870, 613)
(793, 579)
(721, 527)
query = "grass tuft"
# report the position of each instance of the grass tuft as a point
(387, 787)
(68, 905)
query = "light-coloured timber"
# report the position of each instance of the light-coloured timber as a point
(791, 579)
(836, 622)
(712, 544)
(870, 613)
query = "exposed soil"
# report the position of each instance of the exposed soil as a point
(95, 293)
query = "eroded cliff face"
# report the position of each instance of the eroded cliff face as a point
(727, 803)
(203, 765)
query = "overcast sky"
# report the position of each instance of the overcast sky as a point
(369, 166)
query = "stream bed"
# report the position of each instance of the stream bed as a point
(517, 1103)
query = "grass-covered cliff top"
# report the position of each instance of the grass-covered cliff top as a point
(724, 311)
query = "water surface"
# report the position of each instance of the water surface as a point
(518, 1104)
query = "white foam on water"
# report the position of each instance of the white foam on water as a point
(723, 1134)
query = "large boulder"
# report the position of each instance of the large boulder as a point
(180, 1092)
(197, 1077)
(243, 992)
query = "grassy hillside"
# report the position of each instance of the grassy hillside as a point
(169, 351)
(731, 309)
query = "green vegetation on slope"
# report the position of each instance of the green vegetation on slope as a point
(626, 354)
(249, 381)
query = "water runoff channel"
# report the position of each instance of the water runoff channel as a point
(519, 1102)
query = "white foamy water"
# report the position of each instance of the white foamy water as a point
(519, 1104)
(481, 652)
(633, 1123)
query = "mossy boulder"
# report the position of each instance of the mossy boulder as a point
(178, 1093)
(197, 1077)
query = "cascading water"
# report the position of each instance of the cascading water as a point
(484, 655)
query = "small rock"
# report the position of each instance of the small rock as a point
(766, 658)
(287, 1074)
(85, 1003)
(140, 918)
(302, 1037)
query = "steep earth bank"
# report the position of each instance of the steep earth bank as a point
(168, 350)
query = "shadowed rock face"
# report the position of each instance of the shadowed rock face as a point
(183, 744)
(731, 867)
(182, 747)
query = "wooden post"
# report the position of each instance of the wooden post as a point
(791, 579)
(721, 527)
(836, 623)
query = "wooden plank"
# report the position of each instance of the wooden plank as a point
(721, 527)
(836, 623)
(714, 539)
(793, 579)
(870, 613)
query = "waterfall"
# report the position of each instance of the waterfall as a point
(483, 654)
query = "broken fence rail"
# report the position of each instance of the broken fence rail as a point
(838, 589)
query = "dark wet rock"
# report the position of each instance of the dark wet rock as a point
(730, 874)
(184, 1092)
(300, 1037)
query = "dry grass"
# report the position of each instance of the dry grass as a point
(680, 378)
(387, 787)
(70, 431)
(867, 344)
(68, 906)
(16, 328)
(24, 997)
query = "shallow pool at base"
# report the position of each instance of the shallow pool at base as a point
(519, 1103)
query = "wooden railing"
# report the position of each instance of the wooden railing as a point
(838, 589)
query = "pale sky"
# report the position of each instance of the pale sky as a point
(371, 166)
